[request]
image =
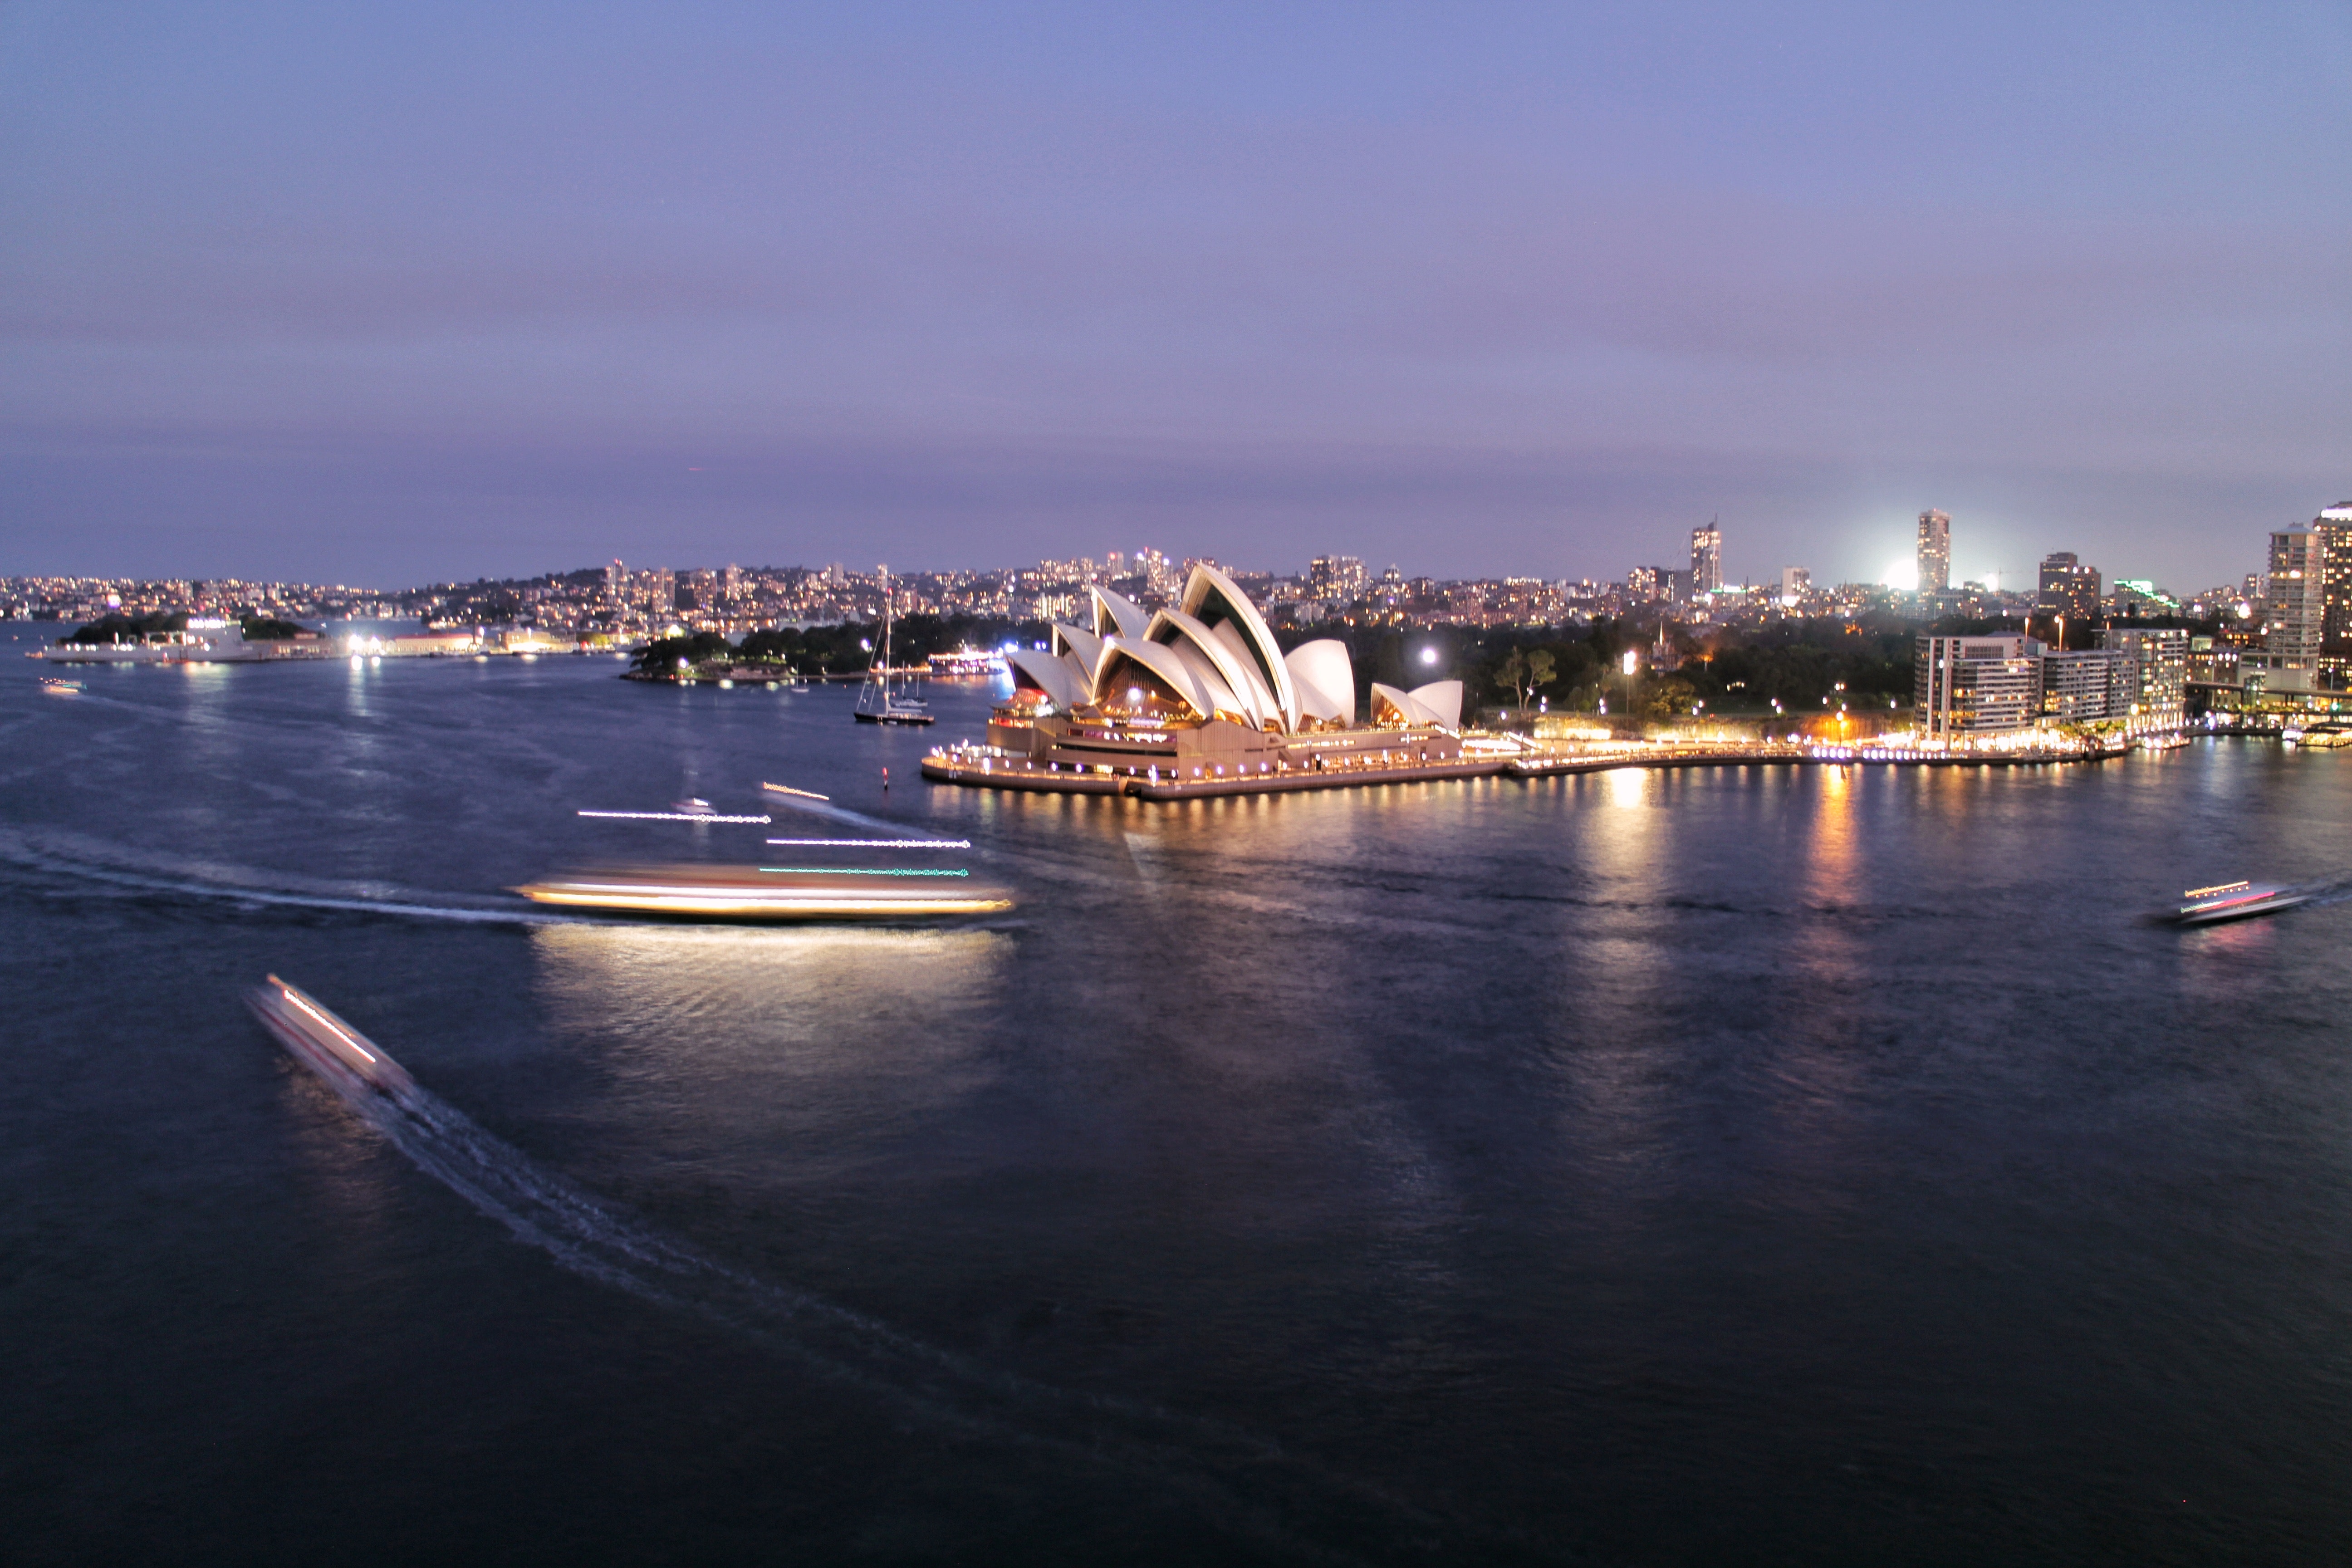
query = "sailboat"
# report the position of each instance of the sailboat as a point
(878, 701)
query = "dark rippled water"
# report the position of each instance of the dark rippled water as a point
(1765, 1165)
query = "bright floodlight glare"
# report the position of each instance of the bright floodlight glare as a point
(1902, 574)
(1429, 655)
(1632, 658)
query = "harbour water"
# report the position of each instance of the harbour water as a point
(1768, 1164)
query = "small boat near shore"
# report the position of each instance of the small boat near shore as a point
(770, 892)
(2234, 902)
(324, 1043)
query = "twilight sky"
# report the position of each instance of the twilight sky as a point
(382, 294)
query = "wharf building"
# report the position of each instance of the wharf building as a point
(1971, 688)
(1201, 691)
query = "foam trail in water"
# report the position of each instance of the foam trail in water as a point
(816, 806)
(79, 861)
(1232, 1471)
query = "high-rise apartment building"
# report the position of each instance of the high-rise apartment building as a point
(2334, 526)
(1967, 685)
(2069, 588)
(1335, 579)
(2074, 686)
(1934, 552)
(1707, 559)
(1795, 583)
(2147, 683)
(2294, 619)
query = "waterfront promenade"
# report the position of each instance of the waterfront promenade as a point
(983, 767)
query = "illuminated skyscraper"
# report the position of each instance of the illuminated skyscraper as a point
(2069, 588)
(1707, 559)
(2334, 527)
(2296, 615)
(1335, 579)
(1934, 552)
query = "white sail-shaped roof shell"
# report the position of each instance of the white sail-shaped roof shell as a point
(1393, 705)
(1079, 643)
(1162, 661)
(1443, 700)
(1324, 679)
(1211, 598)
(1233, 672)
(1117, 615)
(1439, 703)
(1051, 674)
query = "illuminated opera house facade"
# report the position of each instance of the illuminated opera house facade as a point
(1200, 689)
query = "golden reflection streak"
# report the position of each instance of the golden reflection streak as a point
(814, 1024)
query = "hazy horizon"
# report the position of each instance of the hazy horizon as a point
(404, 296)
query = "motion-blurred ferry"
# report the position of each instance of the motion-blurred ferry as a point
(322, 1042)
(2235, 901)
(770, 893)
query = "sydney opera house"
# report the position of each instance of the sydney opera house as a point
(1199, 692)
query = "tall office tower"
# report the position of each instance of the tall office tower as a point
(2069, 588)
(2295, 617)
(2334, 526)
(1707, 559)
(1795, 583)
(617, 577)
(1934, 552)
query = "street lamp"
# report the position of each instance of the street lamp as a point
(1632, 660)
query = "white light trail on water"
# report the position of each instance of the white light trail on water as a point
(876, 843)
(1236, 1472)
(675, 816)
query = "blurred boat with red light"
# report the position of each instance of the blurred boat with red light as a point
(2235, 901)
(771, 893)
(323, 1042)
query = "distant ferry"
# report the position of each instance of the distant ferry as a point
(694, 807)
(967, 661)
(53, 687)
(2235, 901)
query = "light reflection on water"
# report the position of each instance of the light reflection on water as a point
(796, 1027)
(1663, 1162)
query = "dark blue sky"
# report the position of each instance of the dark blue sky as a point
(389, 293)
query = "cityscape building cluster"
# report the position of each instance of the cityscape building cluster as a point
(2068, 649)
